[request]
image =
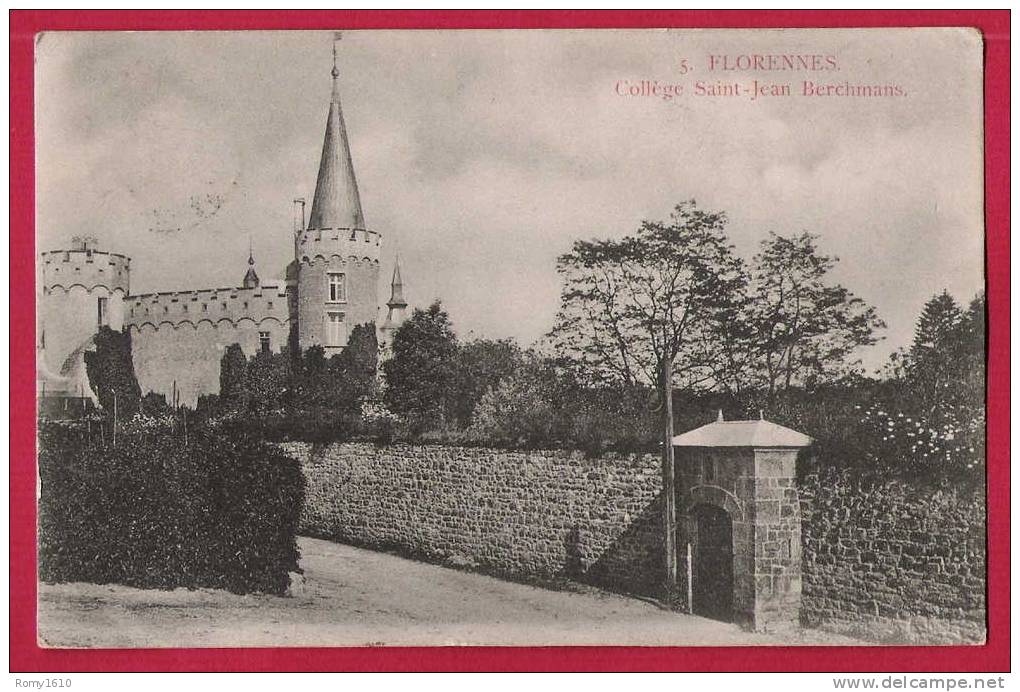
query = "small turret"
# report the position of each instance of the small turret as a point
(251, 279)
(396, 289)
(397, 313)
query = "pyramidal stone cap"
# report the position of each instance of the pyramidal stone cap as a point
(742, 433)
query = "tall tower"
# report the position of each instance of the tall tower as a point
(82, 289)
(337, 256)
(397, 312)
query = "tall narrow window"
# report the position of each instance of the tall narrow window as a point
(102, 318)
(264, 344)
(337, 288)
(336, 330)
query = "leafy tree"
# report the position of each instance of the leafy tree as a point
(520, 410)
(806, 327)
(421, 372)
(651, 308)
(481, 365)
(111, 372)
(661, 296)
(355, 368)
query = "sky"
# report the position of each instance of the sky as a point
(482, 155)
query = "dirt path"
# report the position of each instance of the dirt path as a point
(359, 597)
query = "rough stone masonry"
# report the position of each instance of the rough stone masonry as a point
(887, 563)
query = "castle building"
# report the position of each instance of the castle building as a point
(178, 337)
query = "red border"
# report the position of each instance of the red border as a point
(26, 656)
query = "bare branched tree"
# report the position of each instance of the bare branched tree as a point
(653, 308)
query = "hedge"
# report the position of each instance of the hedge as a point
(154, 512)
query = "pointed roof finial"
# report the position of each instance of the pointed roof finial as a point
(251, 279)
(720, 418)
(335, 72)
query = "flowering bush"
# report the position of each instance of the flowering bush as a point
(946, 446)
(162, 421)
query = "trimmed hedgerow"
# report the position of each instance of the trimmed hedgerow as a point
(156, 512)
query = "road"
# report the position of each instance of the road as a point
(357, 597)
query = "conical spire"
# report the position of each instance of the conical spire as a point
(397, 289)
(336, 203)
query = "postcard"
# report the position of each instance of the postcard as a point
(637, 337)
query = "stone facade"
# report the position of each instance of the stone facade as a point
(361, 279)
(178, 338)
(552, 514)
(757, 491)
(894, 562)
(72, 282)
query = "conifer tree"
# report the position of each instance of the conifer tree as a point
(935, 352)
(111, 372)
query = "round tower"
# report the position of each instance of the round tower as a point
(82, 289)
(337, 257)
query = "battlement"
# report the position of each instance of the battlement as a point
(269, 301)
(87, 268)
(343, 242)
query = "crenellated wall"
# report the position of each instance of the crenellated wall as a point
(71, 284)
(86, 268)
(345, 243)
(213, 305)
(179, 338)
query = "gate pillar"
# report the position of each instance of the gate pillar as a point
(748, 469)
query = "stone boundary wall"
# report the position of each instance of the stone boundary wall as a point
(543, 514)
(881, 562)
(893, 562)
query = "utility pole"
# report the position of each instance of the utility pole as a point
(114, 417)
(669, 483)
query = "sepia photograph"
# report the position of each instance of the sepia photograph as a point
(590, 337)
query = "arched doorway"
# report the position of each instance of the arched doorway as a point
(712, 558)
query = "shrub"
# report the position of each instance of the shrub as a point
(518, 412)
(221, 512)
